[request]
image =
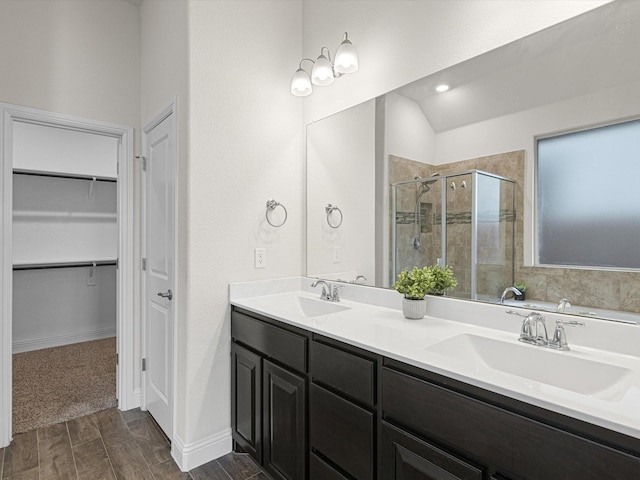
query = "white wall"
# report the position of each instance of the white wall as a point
(54, 307)
(408, 133)
(78, 58)
(403, 40)
(341, 172)
(245, 147)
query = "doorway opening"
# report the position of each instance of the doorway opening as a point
(67, 269)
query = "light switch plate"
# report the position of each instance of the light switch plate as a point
(337, 254)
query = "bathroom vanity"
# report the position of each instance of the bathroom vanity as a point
(352, 390)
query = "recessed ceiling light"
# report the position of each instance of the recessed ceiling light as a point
(442, 88)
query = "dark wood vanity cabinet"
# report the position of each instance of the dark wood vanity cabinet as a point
(310, 407)
(269, 394)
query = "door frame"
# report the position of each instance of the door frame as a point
(128, 395)
(168, 111)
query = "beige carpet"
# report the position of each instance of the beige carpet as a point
(54, 385)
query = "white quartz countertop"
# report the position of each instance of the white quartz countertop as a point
(373, 321)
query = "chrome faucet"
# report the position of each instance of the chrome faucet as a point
(562, 304)
(534, 331)
(326, 289)
(513, 290)
(358, 279)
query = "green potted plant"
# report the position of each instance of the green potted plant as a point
(443, 279)
(414, 285)
(523, 288)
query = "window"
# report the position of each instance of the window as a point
(588, 197)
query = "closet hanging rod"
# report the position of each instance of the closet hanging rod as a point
(42, 266)
(64, 175)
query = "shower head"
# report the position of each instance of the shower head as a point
(424, 185)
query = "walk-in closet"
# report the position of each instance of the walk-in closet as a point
(64, 292)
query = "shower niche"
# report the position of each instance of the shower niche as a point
(465, 220)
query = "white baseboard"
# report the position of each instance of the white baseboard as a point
(190, 456)
(66, 339)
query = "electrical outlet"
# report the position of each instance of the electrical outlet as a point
(337, 254)
(260, 257)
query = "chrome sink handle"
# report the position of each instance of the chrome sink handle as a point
(563, 304)
(559, 340)
(335, 295)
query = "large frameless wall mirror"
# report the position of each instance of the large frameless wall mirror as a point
(424, 177)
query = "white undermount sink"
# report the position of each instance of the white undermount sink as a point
(311, 307)
(560, 369)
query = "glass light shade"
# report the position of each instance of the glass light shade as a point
(301, 84)
(346, 58)
(322, 73)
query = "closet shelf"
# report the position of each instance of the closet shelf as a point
(65, 215)
(64, 175)
(70, 264)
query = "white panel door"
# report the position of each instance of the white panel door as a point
(159, 273)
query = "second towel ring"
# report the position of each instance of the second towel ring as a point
(272, 205)
(330, 209)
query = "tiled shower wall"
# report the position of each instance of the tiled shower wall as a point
(589, 288)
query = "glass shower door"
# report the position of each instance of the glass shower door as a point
(495, 236)
(457, 227)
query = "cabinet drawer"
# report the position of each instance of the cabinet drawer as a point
(319, 470)
(503, 439)
(342, 432)
(348, 373)
(405, 456)
(462, 424)
(274, 342)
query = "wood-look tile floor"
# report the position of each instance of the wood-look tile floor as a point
(110, 445)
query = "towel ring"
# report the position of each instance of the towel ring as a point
(330, 209)
(272, 205)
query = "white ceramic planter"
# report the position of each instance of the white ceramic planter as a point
(414, 309)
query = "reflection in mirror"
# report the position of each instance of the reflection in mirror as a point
(580, 73)
(465, 220)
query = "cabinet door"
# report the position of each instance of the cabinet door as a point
(405, 457)
(342, 432)
(285, 445)
(319, 470)
(246, 400)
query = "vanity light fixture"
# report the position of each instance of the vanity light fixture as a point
(324, 71)
(442, 88)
